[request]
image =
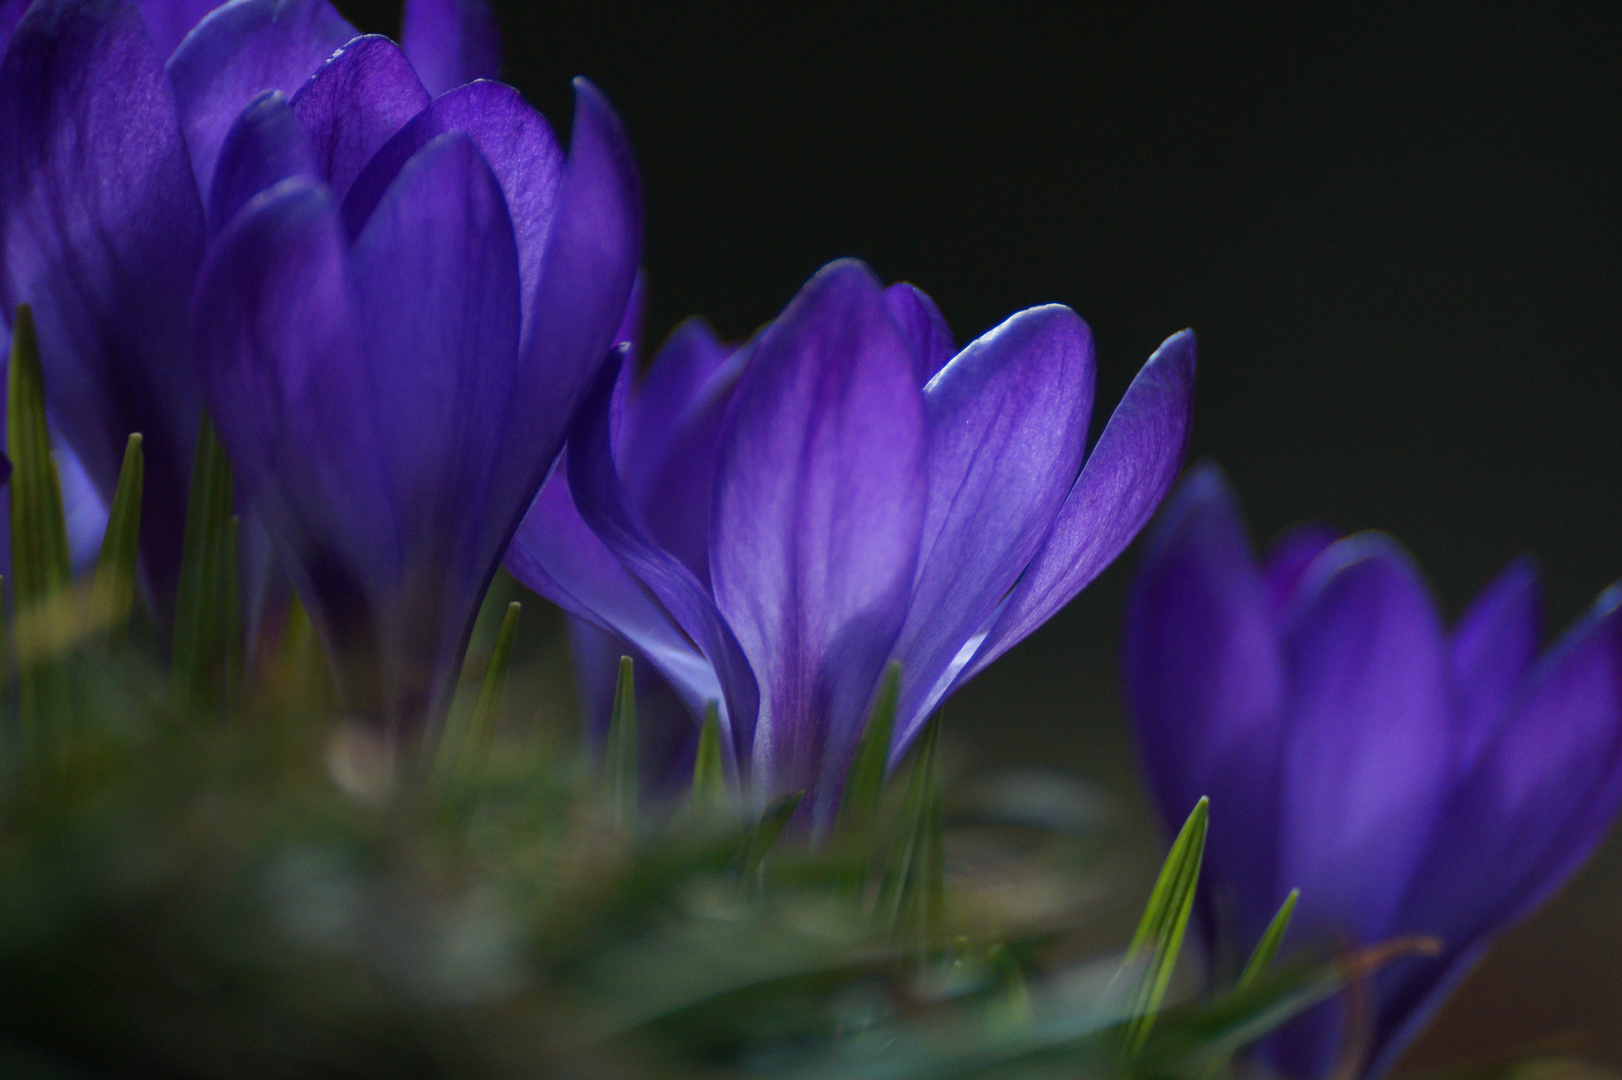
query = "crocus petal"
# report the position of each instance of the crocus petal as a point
(451, 42)
(169, 21)
(102, 231)
(1007, 426)
(1129, 471)
(11, 13)
(239, 52)
(684, 364)
(1492, 649)
(354, 105)
(672, 436)
(435, 274)
(555, 553)
(587, 273)
(1287, 560)
(265, 146)
(925, 327)
(279, 351)
(1204, 672)
(1541, 796)
(1369, 752)
(819, 500)
(516, 141)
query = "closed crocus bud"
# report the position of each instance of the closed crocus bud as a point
(1409, 779)
(771, 525)
(406, 302)
(113, 114)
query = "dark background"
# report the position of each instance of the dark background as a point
(1395, 230)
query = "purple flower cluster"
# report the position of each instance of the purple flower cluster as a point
(399, 300)
(1409, 780)
(771, 525)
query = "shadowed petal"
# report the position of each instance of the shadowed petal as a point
(451, 42)
(671, 438)
(239, 52)
(279, 350)
(101, 229)
(1369, 752)
(1287, 560)
(1540, 798)
(11, 12)
(169, 21)
(925, 327)
(435, 275)
(587, 273)
(516, 141)
(354, 104)
(265, 146)
(1205, 677)
(1129, 471)
(1007, 427)
(596, 490)
(555, 553)
(1492, 649)
(819, 499)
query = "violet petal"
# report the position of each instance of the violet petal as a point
(819, 499)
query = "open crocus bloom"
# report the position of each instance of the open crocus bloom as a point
(109, 163)
(771, 525)
(1409, 780)
(406, 301)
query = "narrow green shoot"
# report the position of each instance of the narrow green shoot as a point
(1267, 947)
(303, 679)
(465, 750)
(709, 799)
(912, 894)
(766, 832)
(207, 634)
(620, 762)
(39, 549)
(864, 787)
(113, 591)
(1159, 938)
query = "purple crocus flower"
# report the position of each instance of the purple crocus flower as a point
(770, 525)
(105, 190)
(406, 300)
(1409, 780)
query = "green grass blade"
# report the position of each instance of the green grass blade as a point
(39, 549)
(912, 895)
(1159, 938)
(621, 750)
(766, 832)
(207, 639)
(113, 593)
(710, 799)
(1267, 948)
(465, 750)
(859, 806)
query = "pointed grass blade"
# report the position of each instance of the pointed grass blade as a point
(767, 831)
(1267, 947)
(207, 639)
(912, 895)
(859, 807)
(709, 798)
(1159, 938)
(39, 545)
(113, 591)
(465, 749)
(620, 761)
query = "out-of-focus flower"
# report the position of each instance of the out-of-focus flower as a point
(407, 299)
(1409, 780)
(105, 198)
(769, 526)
